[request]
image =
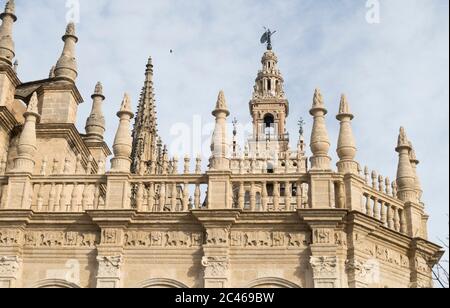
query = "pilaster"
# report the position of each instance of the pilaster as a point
(327, 259)
(216, 249)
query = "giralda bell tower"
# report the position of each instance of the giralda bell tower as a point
(269, 109)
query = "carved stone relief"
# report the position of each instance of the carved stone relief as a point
(179, 239)
(216, 267)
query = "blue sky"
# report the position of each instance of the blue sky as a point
(394, 73)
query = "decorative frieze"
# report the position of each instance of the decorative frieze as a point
(60, 239)
(265, 239)
(217, 236)
(381, 253)
(179, 239)
(10, 237)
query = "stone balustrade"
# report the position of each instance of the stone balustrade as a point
(273, 193)
(378, 204)
(170, 193)
(68, 193)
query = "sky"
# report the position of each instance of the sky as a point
(394, 71)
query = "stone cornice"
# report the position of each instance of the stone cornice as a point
(9, 71)
(217, 217)
(100, 145)
(7, 120)
(112, 218)
(15, 217)
(25, 90)
(322, 216)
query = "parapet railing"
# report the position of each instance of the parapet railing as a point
(68, 193)
(270, 192)
(169, 193)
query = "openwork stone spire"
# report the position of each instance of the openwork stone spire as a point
(145, 133)
(123, 142)
(95, 124)
(405, 173)
(7, 47)
(320, 142)
(219, 145)
(27, 141)
(66, 67)
(346, 149)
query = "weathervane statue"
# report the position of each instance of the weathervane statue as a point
(267, 38)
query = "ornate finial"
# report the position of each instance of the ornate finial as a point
(221, 105)
(221, 102)
(70, 29)
(267, 38)
(403, 139)
(318, 101)
(10, 7)
(301, 125)
(98, 89)
(33, 104)
(126, 103)
(344, 106)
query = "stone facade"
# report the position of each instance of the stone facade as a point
(261, 216)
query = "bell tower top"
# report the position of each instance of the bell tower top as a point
(269, 107)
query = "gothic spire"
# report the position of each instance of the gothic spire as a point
(7, 47)
(66, 67)
(145, 132)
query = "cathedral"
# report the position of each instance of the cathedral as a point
(260, 215)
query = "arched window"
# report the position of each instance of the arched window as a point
(269, 125)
